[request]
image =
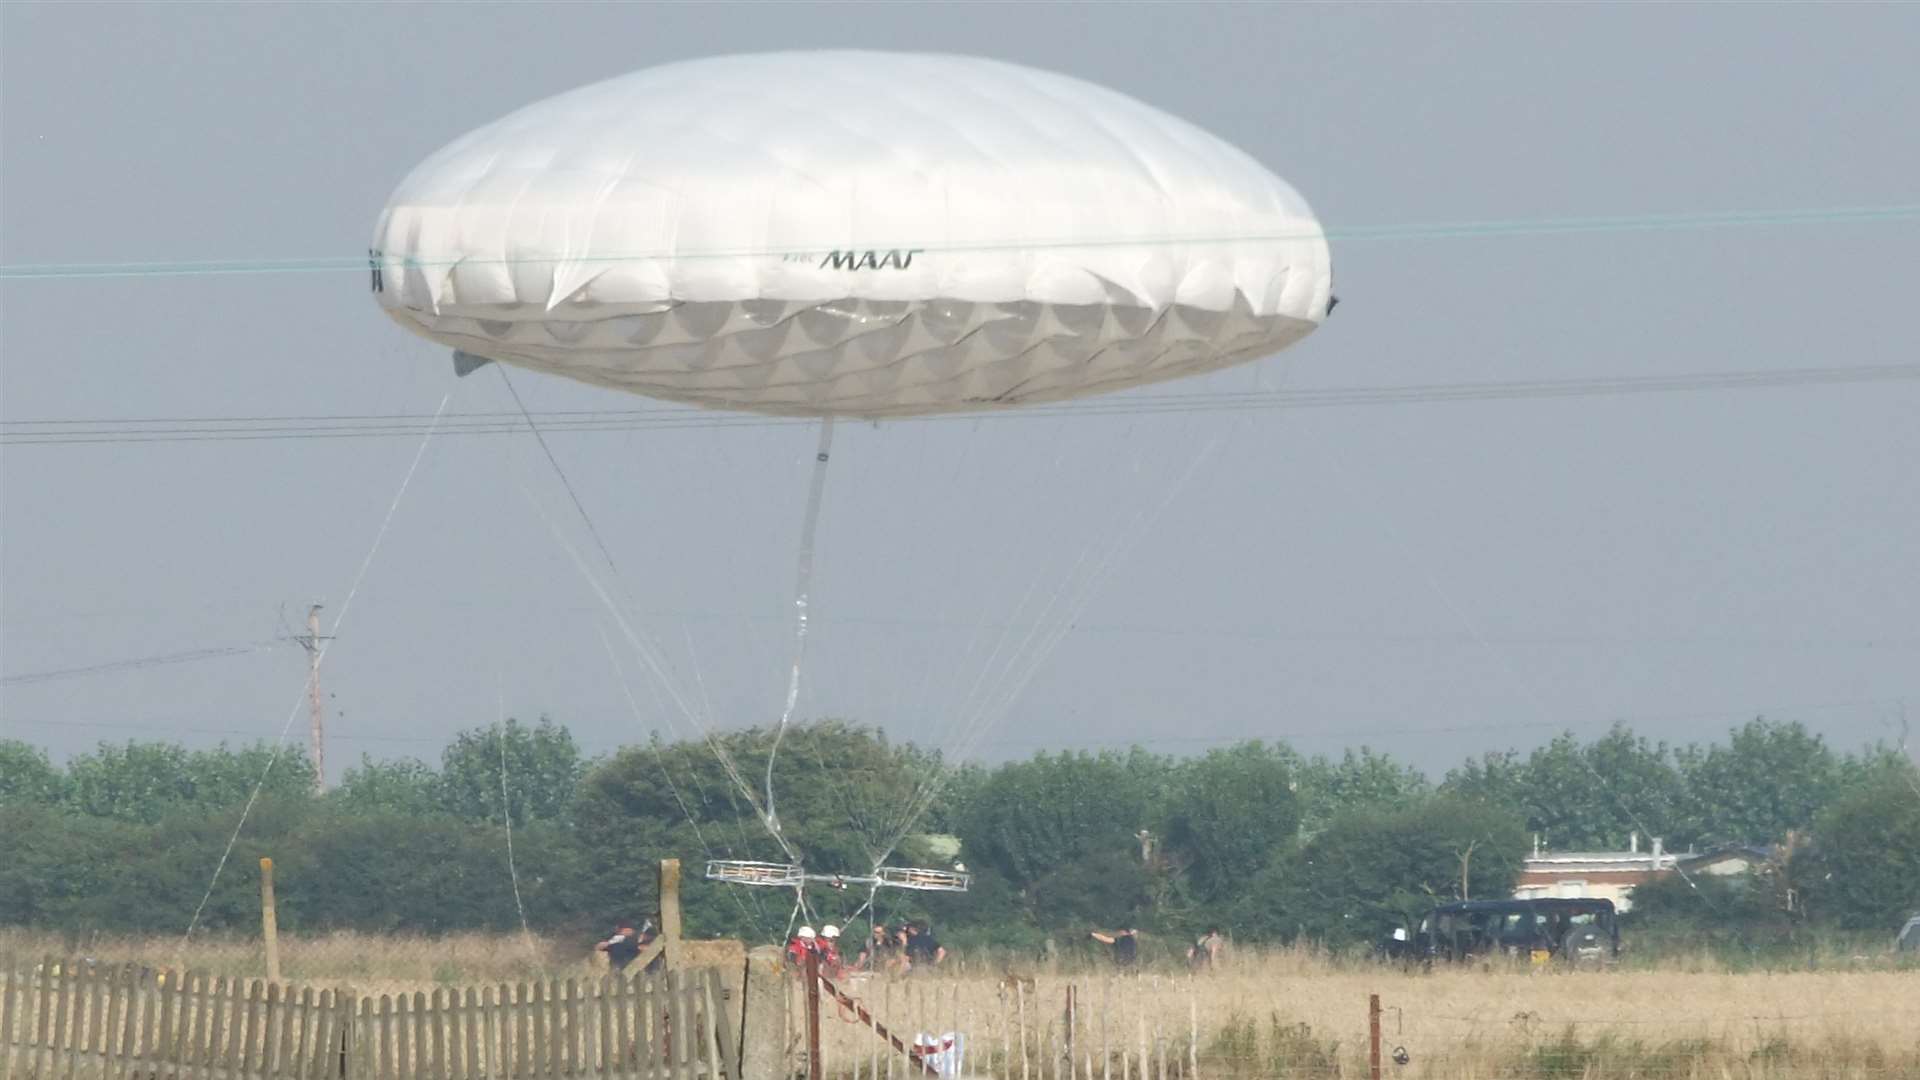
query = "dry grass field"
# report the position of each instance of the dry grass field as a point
(1276, 1013)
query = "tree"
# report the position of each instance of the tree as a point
(1766, 780)
(1098, 889)
(52, 859)
(1748, 911)
(1360, 778)
(1879, 762)
(1371, 870)
(27, 777)
(145, 782)
(538, 767)
(1863, 870)
(1233, 811)
(1030, 818)
(128, 837)
(1496, 778)
(390, 871)
(1590, 796)
(403, 786)
(844, 796)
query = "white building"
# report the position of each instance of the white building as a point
(1608, 874)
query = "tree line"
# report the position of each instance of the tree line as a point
(1257, 838)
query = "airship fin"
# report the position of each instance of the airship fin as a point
(465, 363)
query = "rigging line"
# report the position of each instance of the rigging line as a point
(799, 906)
(706, 705)
(648, 650)
(324, 646)
(955, 732)
(847, 795)
(907, 698)
(802, 590)
(506, 814)
(757, 916)
(574, 496)
(135, 663)
(647, 654)
(660, 758)
(949, 733)
(1515, 676)
(952, 737)
(972, 713)
(1116, 555)
(946, 729)
(641, 646)
(359, 264)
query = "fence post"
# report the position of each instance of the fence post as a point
(763, 1010)
(670, 913)
(1373, 1036)
(1070, 1024)
(722, 1023)
(811, 966)
(1193, 1038)
(269, 921)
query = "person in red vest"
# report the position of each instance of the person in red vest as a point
(828, 945)
(804, 941)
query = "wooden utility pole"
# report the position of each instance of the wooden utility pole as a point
(316, 709)
(269, 921)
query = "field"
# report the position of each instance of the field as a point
(1275, 1013)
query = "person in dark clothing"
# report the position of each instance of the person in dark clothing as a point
(922, 949)
(883, 952)
(1206, 951)
(1126, 945)
(622, 948)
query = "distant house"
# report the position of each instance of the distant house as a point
(1608, 874)
(1736, 860)
(1614, 874)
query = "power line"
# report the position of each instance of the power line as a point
(1115, 740)
(109, 431)
(113, 725)
(842, 620)
(328, 264)
(133, 664)
(1273, 736)
(1350, 733)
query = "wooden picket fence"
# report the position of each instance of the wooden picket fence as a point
(64, 1021)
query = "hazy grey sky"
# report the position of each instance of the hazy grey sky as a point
(1430, 577)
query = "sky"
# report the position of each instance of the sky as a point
(1429, 577)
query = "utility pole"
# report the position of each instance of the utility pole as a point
(312, 641)
(1466, 862)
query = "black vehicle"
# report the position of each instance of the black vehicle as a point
(1583, 931)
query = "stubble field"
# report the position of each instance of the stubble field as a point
(1261, 1013)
